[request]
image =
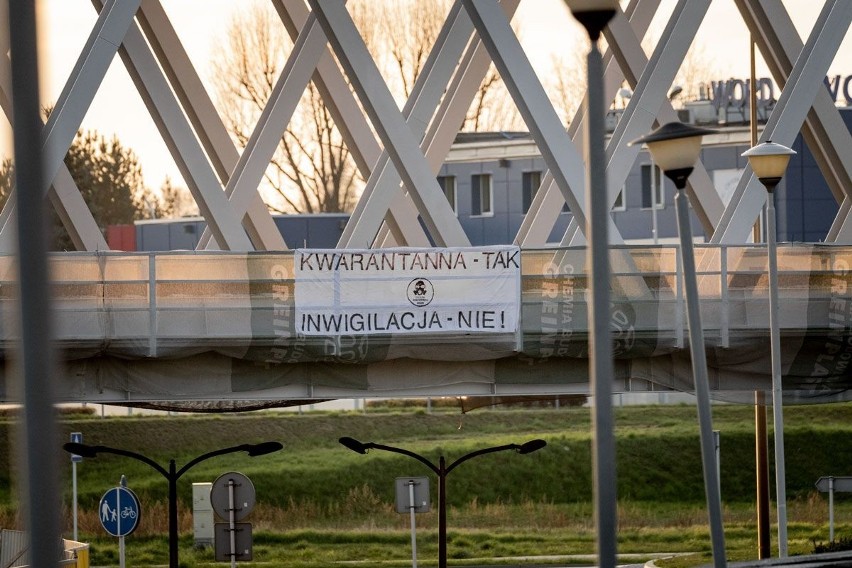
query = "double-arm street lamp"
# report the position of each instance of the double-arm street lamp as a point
(441, 470)
(172, 474)
(768, 161)
(675, 147)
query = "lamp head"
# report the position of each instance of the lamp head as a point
(675, 91)
(80, 449)
(531, 446)
(769, 160)
(593, 14)
(263, 448)
(354, 444)
(675, 147)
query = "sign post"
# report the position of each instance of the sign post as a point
(412, 496)
(232, 496)
(76, 438)
(830, 485)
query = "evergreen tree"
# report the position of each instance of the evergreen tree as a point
(109, 178)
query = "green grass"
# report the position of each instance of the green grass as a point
(319, 503)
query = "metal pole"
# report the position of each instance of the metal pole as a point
(654, 194)
(411, 507)
(717, 452)
(830, 509)
(173, 516)
(74, 495)
(118, 527)
(600, 358)
(699, 371)
(777, 394)
(762, 466)
(232, 526)
(37, 371)
(442, 513)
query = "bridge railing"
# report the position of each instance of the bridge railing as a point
(155, 304)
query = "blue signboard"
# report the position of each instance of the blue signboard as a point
(76, 438)
(119, 511)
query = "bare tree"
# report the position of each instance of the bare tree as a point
(567, 84)
(698, 68)
(175, 201)
(312, 170)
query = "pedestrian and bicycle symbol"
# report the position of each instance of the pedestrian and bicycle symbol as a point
(119, 511)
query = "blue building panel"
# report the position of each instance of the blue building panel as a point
(805, 205)
(184, 235)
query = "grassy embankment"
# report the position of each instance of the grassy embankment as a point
(319, 503)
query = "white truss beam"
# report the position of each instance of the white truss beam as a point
(824, 131)
(396, 137)
(559, 153)
(180, 139)
(66, 118)
(797, 98)
(454, 105)
(400, 169)
(548, 201)
(382, 191)
(64, 195)
(205, 119)
(276, 115)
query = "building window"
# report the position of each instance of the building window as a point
(480, 194)
(652, 178)
(448, 186)
(619, 202)
(530, 182)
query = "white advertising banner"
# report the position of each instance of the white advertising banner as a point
(408, 290)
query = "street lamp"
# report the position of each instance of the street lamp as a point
(441, 470)
(675, 147)
(172, 474)
(594, 15)
(768, 162)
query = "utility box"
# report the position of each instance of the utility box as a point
(202, 514)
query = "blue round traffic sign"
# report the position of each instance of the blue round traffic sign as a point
(119, 511)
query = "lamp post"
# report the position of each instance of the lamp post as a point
(768, 162)
(675, 148)
(441, 470)
(172, 474)
(594, 15)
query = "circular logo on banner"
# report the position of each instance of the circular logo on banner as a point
(420, 292)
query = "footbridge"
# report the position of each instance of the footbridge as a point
(221, 326)
(192, 327)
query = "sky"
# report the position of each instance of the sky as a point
(542, 24)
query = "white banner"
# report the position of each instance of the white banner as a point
(408, 290)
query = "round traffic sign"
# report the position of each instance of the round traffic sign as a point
(243, 495)
(119, 511)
